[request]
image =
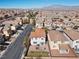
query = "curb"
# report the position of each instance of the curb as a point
(23, 54)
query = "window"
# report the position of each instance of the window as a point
(42, 43)
(38, 45)
(41, 38)
(77, 41)
(35, 42)
(55, 41)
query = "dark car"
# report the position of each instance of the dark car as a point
(1, 39)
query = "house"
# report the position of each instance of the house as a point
(14, 23)
(13, 28)
(48, 24)
(55, 38)
(39, 24)
(68, 25)
(74, 39)
(7, 31)
(25, 19)
(64, 51)
(19, 20)
(38, 37)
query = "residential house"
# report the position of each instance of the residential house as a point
(13, 24)
(13, 28)
(74, 39)
(55, 38)
(48, 24)
(39, 24)
(58, 25)
(68, 25)
(7, 31)
(25, 19)
(38, 37)
(64, 51)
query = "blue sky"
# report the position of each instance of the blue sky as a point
(35, 3)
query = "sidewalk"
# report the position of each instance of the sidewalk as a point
(23, 54)
(1, 53)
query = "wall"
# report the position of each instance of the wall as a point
(37, 40)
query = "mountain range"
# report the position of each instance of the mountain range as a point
(61, 7)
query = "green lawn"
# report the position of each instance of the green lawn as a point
(26, 42)
(37, 54)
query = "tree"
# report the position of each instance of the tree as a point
(65, 16)
(76, 16)
(31, 16)
(61, 20)
(26, 42)
(1, 18)
(69, 19)
(6, 16)
(1, 47)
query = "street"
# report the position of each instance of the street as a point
(15, 50)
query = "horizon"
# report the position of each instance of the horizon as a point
(27, 4)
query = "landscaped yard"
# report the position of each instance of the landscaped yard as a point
(26, 42)
(37, 54)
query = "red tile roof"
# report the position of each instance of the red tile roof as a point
(38, 33)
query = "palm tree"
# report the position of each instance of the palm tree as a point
(32, 16)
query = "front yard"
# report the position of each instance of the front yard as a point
(37, 54)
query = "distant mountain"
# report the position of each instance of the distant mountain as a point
(61, 7)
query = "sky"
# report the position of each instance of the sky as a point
(36, 3)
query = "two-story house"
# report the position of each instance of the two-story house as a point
(38, 37)
(55, 38)
(74, 39)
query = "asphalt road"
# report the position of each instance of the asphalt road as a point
(15, 50)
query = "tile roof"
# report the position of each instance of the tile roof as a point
(56, 52)
(14, 22)
(56, 36)
(38, 33)
(74, 35)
